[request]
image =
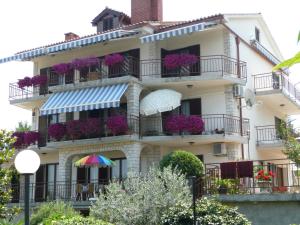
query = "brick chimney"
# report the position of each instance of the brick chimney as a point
(146, 10)
(70, 35)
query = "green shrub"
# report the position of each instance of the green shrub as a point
(47, 212)
(208, 211)
(185, 162)
(143, 200)
(78, 220)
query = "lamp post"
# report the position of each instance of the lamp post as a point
(27, 163)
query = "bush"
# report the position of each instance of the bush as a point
(78, 220)
(143, 200)
(47, 212)
(185, 162)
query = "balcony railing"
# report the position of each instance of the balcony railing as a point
(132, 128)
(213, 124)
(276, 81)
(258, 46)
(267, 134)
(253, 177)
(217, 65)
(129, 67)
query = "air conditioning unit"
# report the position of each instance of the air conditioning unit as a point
(219, 149)
(238, 91)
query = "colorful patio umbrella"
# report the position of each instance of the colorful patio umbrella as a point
(94, 160)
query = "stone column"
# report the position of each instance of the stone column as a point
(133, 106)
(133, 153)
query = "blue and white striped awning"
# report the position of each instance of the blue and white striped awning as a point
(84, 99)
(68, 45)
(175, 32)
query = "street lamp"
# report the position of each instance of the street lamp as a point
(27, 163)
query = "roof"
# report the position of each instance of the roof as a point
(107, 11)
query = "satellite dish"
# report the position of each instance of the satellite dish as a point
(249, 98)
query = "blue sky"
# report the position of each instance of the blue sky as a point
(33, 23)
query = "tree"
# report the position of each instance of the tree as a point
(23, 126)
(289, 62)
(6, 153)
(186, 162)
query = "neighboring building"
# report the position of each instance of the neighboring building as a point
(230, 85)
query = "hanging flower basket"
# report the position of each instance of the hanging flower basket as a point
(117, 125)
(62, 68)
(81, 63)
(113, 59)
(25, 82)
(39, 80)
(57, 131)
(174, 61)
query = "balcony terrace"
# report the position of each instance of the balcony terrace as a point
(268, 137)
(278, 92)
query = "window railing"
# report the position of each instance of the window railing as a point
(252, 177)
(276, 81)
(216, 65)
(213, 124)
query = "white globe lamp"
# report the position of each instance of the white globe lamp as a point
(27, 162)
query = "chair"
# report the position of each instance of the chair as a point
(91, 190)
(78, 192)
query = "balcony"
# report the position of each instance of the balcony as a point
(277, 91)
(253, 177)
(207, 68)
(268, 137)
(217, 128)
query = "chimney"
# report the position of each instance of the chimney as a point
(146, 10)
(70, 35)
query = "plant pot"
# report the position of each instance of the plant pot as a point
(265, 186)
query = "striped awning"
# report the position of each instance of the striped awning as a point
(94, 39)
(176, 32)
(84, 99)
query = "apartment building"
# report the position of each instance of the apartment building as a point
(124, 91)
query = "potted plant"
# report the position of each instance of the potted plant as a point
(73, 128)
(19, 136)
(175, 61)
(31, 137)
(39, 80)
(87, 63)
(113, 59)
(25, 82)
(194, 124)
(175, 124)
(91, 127)
(264, 179)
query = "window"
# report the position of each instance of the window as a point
(108, 24)
(53, 119)
(257, 34)
(69, 116)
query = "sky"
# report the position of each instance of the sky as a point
(33, 23)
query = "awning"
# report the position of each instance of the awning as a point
(176, 32)
(160, 101)
(84, 99)
(93, 39)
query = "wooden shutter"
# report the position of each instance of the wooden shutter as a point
(195, 106)
(43, 131)
(40, 181)
(44, 88)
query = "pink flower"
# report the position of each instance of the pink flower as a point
(31, 137)
(113, 59)
(79, 64)
(39, 80)
(194, 124)
(62, 68)
(176, 123)
(73, 129)
(57, 131)
(174, 61)
(25, 82)
(90, 127)
(117, 124)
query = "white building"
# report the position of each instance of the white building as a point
(230, 86)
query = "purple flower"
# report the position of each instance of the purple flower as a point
(90, 127)
(39, 80)
(19, 143)
(25, 82)
(117, 124)
(31, 137)
(79, 64)
(113, 59)
(175, 123)
(174, 61)
(74, 129)
(194, 124)
(57, 131)
(62, 68)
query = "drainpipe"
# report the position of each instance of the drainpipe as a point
(237, 42)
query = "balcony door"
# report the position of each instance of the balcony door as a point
(45, 182)
(44, 88)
